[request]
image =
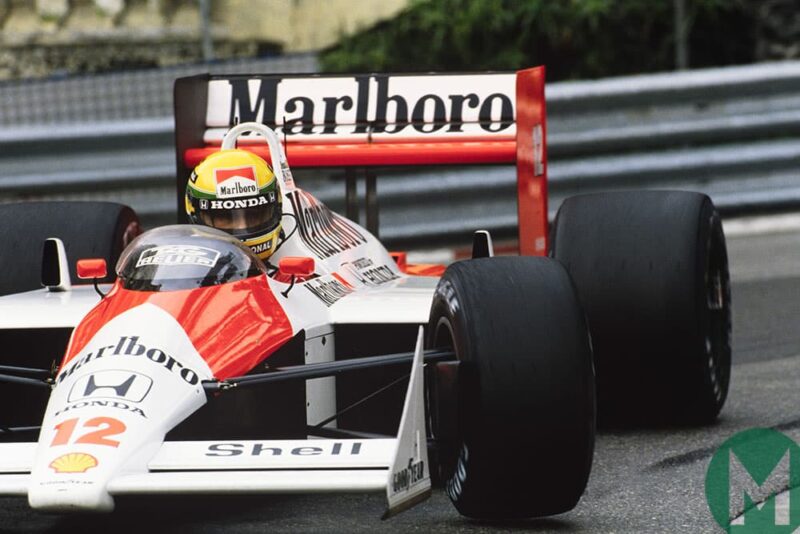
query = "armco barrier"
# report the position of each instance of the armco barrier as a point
(733, 133)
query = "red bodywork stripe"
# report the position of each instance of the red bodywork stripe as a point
(380, 154)
(425, 269)
(234, 326)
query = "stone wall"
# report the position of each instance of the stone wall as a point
(47, 37)
(778, 29)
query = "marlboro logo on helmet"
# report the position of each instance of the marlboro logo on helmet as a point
(236, 182)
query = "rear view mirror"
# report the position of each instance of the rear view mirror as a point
(92, 268)
(296, 266)
(55, 270)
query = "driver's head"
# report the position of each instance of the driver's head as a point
(236, 191)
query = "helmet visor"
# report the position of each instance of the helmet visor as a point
(232, 218)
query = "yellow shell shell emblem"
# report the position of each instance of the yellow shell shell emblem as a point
(74, 462)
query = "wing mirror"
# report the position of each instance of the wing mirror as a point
(55, 269)
(94, 268)
(295, 266)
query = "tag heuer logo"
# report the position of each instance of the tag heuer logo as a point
(178, 255)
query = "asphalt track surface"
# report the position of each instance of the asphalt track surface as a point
(643, 480)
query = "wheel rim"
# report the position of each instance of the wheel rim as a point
(718, 314)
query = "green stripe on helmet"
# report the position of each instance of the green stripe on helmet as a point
(197, 193)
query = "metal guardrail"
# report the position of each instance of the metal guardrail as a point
(733, 133)
(120, 96)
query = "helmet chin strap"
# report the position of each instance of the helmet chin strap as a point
(277, 156)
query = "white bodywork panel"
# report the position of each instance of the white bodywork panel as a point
(320, 392)
(41, 308)
(406, 300)
(357, 280)
(112, 405)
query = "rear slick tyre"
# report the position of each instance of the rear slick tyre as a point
(526, 407)
(651, 270)
(88, 230)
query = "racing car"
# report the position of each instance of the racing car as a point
(194, 367)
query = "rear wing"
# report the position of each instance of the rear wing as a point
(380, 120)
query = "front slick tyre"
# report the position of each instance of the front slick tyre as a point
(526, 407)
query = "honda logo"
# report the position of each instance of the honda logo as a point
(114, 384)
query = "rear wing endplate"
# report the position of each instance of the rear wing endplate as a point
(378, 120)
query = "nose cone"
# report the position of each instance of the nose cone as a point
(111, 407)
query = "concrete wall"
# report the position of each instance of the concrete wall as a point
(301, 25)
(45, 37)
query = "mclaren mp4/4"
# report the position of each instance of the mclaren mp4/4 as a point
(337, 366)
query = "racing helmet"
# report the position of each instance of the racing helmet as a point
(236, 191)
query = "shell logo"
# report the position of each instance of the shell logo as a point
(74, 462)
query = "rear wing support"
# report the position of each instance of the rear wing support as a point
(352, 209)
(379, 120)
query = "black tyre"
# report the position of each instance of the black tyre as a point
(525, 413)
(88, 230)
(651, 270)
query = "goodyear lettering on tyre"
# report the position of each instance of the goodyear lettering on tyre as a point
(456, 484)
(448, 293)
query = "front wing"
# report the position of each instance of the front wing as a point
(286, 466)
(398, 465)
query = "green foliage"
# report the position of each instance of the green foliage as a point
(574, 38)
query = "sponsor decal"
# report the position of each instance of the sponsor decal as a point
(288, 179)
(118, 405)
(258, 449)
(538, 150)
(74, 462)
(243, 203)
(129, 346)
(127, 385)
(261, 247)
(322, 230)
(106, 427)
(178, 255)
(236, 182)
(371, 103)
(369, 274)
(405, 478)
(203, 204)
(329, 292)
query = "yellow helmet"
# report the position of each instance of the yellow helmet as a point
(236, 191)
